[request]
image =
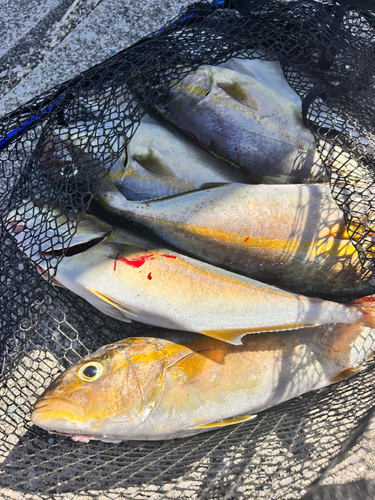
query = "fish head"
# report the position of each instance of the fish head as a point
(226, 92)
(106, 395)
(55, 156)
(221, 85)
(212, 98)
(44, 232)
(195, 86)
(87, 146)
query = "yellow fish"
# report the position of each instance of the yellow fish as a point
(166, 386)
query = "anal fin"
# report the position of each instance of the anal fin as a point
(226, 422)
(234, 335)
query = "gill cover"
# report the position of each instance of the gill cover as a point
(197, 85)
(141, 390)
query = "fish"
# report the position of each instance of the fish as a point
(171, 385)
(157, 162)
(293, 236)
(267, 72)
(130, 277)
(246, 122)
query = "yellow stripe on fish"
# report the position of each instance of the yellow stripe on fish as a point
(291, 236)
(333, 240)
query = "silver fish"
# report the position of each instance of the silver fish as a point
(292, 236)
(166, 386)
(156, 162)
(131, 277)
(247, 123)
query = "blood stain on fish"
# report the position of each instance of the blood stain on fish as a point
(149, 276)
(136, 262)
(246, 238)
(169, 256)
(369, 298)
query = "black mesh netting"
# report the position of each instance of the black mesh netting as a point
(327, 51)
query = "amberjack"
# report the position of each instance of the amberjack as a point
(293, 236)
(176, 384)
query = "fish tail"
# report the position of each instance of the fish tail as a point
(366, 305)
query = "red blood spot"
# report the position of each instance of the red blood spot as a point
(246, 238)
(149, 276)
(169, 256)
(136, 262)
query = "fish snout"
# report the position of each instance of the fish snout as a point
(55, 408)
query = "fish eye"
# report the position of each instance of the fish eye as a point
(90, 371)
(68, 170)
(70, 209)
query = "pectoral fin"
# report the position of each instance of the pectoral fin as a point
(226, 422)
(113, 308)
(239, 93)
(155, 163)
(211, 185)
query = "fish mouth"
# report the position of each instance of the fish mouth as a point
(15, 226)
(65, 417)
(74, 249)
(60, 408)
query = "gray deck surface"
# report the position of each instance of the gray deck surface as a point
(109, 27)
